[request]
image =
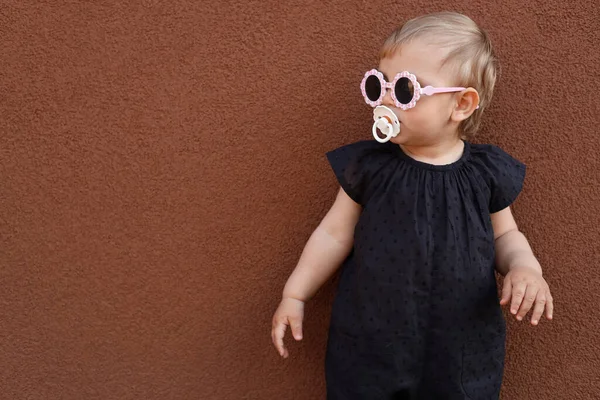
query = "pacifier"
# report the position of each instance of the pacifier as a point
(387, 122)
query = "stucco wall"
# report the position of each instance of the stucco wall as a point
(162, 166)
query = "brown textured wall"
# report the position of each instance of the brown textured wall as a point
(162, 165)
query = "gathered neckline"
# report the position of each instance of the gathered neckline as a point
(436, 167)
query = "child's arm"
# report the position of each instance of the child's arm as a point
(522, 272)
(327, 247)
(512, 248)
(325, 250)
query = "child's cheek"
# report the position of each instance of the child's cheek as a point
(424, 120)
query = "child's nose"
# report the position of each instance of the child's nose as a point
(387, 98)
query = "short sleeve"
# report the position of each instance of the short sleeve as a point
(356, 167)
(503, 173)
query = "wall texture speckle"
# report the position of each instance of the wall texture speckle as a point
(162, 166)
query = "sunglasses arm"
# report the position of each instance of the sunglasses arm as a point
(430, 90)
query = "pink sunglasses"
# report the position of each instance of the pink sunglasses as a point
(406, 91)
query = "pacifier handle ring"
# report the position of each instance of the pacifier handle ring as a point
(388, 130)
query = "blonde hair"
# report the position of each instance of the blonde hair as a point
(470, 53)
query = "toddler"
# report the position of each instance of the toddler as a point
(420, 223)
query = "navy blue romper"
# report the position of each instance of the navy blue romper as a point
(416, 314)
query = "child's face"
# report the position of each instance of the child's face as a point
(429, 122)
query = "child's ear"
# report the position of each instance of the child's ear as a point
(466, 103)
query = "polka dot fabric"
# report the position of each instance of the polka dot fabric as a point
(416, 313)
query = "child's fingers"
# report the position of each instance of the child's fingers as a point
(296, 325)
(538, 309)
(549, 305)
(518, 291)
(278, 333)
(530, 295)
(506, 291)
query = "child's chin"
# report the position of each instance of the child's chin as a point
(400, 139)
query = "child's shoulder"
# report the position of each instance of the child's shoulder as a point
(360, 144)
(493, 155)
(487, 148)
(504, 174)
(361, 148)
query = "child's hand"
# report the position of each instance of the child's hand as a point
(526, 285)
(289, 312)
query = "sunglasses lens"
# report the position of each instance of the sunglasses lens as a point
(404, 90)
(373, 88)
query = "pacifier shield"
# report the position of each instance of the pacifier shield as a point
(387, 123)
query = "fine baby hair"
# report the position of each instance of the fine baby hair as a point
(469, 54)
